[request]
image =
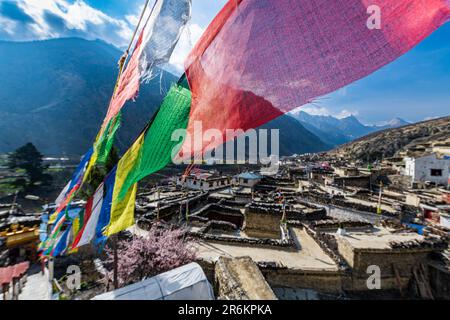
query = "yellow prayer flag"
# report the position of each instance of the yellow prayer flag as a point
(122, 211)
(76, 227)
(90, 166)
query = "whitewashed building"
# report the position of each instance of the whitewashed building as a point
(428, 168)
(247, 179)
(203, 181)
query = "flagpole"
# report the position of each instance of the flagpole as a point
(115, 263)
(159, 198)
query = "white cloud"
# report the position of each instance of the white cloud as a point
(75, 19)
(346, 113)
(317, 110)
(132, 19)
(8, 25)
(190, 35)
(314, 110)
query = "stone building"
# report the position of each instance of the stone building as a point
(20, 233)
(428, 168)
(247, 179)
(203, 181)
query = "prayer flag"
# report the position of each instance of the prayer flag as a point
(154, 47)
(260, 59)
(122, 210)
(159, 145)
(93, 210)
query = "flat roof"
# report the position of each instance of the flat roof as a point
(307, 256)
(378, 239)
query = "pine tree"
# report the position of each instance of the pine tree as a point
(29, 159)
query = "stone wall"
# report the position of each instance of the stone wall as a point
(4, 253)
(329, 245)
(340, 202)
(240, 279)
(399, 182)
(334, 224)
(359, 182)
(262, 225)
(439, 280)
(221, 212)
(396, 265)
(167, 211)
(324, 281)
(286, 244)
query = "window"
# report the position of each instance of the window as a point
(245, 180)
(436, 172)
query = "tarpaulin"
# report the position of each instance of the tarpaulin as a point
(7, 274)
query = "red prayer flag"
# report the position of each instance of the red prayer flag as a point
(260, 59)
(128, 86)
(87, 215)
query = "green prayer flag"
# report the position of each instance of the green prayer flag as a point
(156, 151)
(106, 141)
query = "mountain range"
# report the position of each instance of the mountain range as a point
(54, 93)
(414, 140)
(335, 131)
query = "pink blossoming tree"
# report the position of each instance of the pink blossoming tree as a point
(159, 251)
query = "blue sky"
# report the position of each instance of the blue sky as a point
(415, 87)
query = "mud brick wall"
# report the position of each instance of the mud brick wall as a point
(360, 182)
(262, 225)
(332, 224)
(404, 263)
(231, 203)
(4, 253)
(219, 225)
(254, 242)
(226, 287)
(439, 281)
(330, 246)
(324, 281)
(220, 212)
(385, 259)
(341, 203)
